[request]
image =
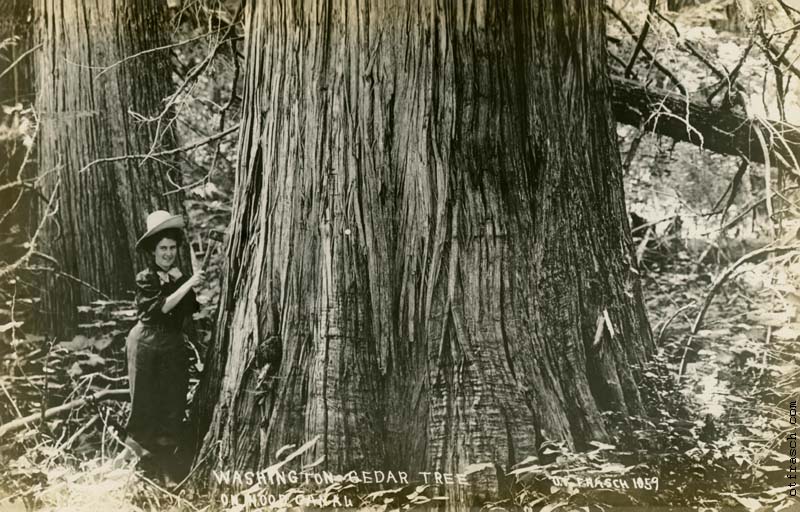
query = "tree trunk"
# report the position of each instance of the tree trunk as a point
(89, 112)
(429, 226)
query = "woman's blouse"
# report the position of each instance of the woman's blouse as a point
(153, 286)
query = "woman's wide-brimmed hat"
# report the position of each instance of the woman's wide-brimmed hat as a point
(157, 222)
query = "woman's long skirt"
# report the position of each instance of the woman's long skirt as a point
(158, 371)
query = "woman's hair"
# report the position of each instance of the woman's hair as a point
(172, 233)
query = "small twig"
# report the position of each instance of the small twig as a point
(103, 376)
(116, 394)
(22, 166)
(616, 58)
(672, 317)
(654, 223)
(68, 276)
(13, 207)
(48, 212)
(193, 471)
(234, 82)
(103, 436)
(16, 183)
(187, 147)
(10, 399)
(776, 134)
(193, 74)
(642, 247)
(733, 187)
(763, 360)
(792, 205)
(718, 282)
(646, 52)
(152, 50)
(702, 58)
(634, 147)
(780, 57)
(171, 495)
(747, 209)
(731, 78)
(786, 7)
(640, 41)
(767, 178)
(682, 366)
(46, 385)
(78, 432)
(11, 66)
(657, 114)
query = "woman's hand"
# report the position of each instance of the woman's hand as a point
(198, 278)
(178, 295)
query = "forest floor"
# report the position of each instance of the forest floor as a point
(713, 438)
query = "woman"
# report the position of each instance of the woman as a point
(157, 355)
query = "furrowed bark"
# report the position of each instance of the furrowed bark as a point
(428, 222)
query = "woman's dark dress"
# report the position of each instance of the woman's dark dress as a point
(158, 361)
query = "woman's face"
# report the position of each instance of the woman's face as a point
(165, 252)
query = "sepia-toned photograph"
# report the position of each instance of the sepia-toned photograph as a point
(399, 255)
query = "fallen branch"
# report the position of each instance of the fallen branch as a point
(719, 281)
(714, 129)
(116, 394)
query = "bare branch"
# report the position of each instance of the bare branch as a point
(669, 320)
(153, 50)
(187, 147)
(116, 394)
(694, 51)
(729, 271)
(747, 209)
(68, 276)
(731, 78)
(781, 57)
(193, 74)
(640, 41)
(18, 59)
(646, 52)
(733, 188)
(49, 211)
